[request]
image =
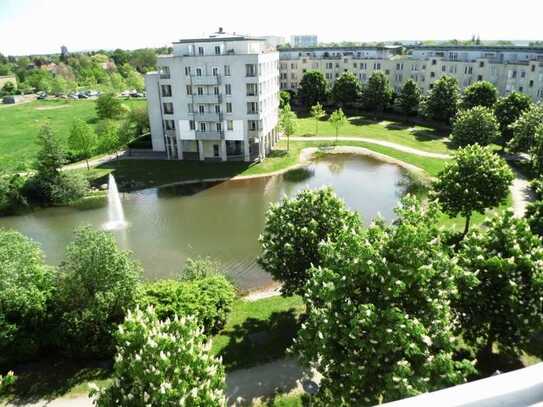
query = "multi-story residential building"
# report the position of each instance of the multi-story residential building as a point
(215, 98)
(509, 68)
(304, 40)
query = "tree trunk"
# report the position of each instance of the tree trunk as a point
(87, 161)
(466, 227)
(288, 142)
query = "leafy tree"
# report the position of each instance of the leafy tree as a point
(443, 99)
(144, 60)
(501, 293)
(346, 90)
(134, 79)
(293, 231)
(12, 198)
(480, 93)
(98, 285)
(284, 99)
(108, 136)
(507, 110)
(476, 180)
(313, 88)
(377, 94)
(338, 120)
(534, 210)
(163, 363)
(524, 129)
(82, 140)
(287, 123)
(139, 116)
(9, 88)
(109, 107)
(476, 125)
(26, 290)
(379, 325)
(409, 98)
(120, 57)
(536, 152)
(317, 112)
(50, 156)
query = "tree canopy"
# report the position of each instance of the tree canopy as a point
(480, 93)
(443, 100)
(313, 88)
(507, 110)
(409, 98)
(346, 90)
(475, 125)
(377, 93)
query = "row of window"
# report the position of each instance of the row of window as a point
(251, 90)
(252, 108)
(252, 125)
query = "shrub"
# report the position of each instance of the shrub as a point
(209, 299)
(12, 199)
(163, 363)
(198, 268)
(109, 107)
(61, 189)
(26, 289)
(98, 284)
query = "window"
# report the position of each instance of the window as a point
(164, 72)
(200, 91)
(230, 125)
(190, 108)
(217, 108)
(227, 70)
(191, 125)
(216, 150)
(252, 107)
(253, 125)
(523, 74)
(432, 75)
(533, 68)
(169, 124)
(166, 90)
(228, 107)
(218, 126)
(187, 70)
(355, 65)
(293, 66)
(198, 71)
(251, 89)
(444, 68)
(189, 90)
(200, 50)
(250, 70)
(168, 108)
(215, 71)
(481, 64)
(531, 84)
(329, 65)
(337, 65)
(434, 62)
(216, 90)
(202, 126)
(217, 50)
(228, 89)
(479, 77)
(201, 109)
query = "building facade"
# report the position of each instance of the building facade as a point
(304, 41)
(509, 68)
(215, 98)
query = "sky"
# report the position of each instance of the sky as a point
(42, 26)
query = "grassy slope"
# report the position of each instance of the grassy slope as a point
(19, 126)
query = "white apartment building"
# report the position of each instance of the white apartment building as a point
(509, 68)
(215, 98)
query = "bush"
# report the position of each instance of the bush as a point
(209, 299)
(12, 199)
(109, 107)
(61, 189)
(98, 284)
(163, 363)
(198, 268)
(26, 289)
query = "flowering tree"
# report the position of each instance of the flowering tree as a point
(379, 322)
(163, 363)
(501, 295)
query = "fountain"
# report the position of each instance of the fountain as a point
(115, 211)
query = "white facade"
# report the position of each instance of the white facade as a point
(215, 98)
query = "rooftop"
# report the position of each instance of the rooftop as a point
(220, 36)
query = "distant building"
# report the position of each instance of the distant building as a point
(215, 98)
(304, 41)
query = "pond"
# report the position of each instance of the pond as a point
(220, 220)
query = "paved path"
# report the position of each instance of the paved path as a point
(521, 194)
(382, 143)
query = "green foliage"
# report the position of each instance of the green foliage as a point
(317, 112)
(209, 299)
(524, 129)
(98, 284)
(26, 289)
(9, 88)
(347, 89)
(409, 98)
(293, 231)
(536, 152)
(338, 120)
(108, 136)
(507, 110)
(377, 94)
(163, 363)
(82, 139)
(480, 93)
(7, 380)
(139, 117)
(476, 180)
(287, 123)
(109, 107)
(12, 199)
(284, 99)
(475, 125)
(198, 268)
(501, 293)
(443, 99)
(379, 324)
(313, 88)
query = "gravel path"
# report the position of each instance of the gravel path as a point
(521, 193)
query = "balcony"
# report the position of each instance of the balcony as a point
(214, 99)
(170, 133)
(209, 135)
(205, 80)
(208, 117)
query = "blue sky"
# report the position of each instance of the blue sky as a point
(41, 26)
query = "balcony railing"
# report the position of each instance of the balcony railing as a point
(208, 117)
(207, 99)
(209, 135)
(205, 80)
(170, 133)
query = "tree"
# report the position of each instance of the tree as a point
(9, 88)
(163, 363)
(379, 325)
(293, 231)
(346, 90)
(317, 112)
(12, 198)
(284, 99)
(443, 99)
(524, 129)
(377, 94)
(501, 293)
(480, 93)
(476, 125)
(50, 157)
(534, 210)
(536, 152)
(27, 287)
(313, 88)
(108, 136)
(98, 285)
(477, 179)
(287, 123)
(338, 120)
(139, 116)
(82, 140)
(507, 110)
(409, 98)
(109, 107)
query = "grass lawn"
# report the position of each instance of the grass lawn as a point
(415, 136)
(19, 126)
